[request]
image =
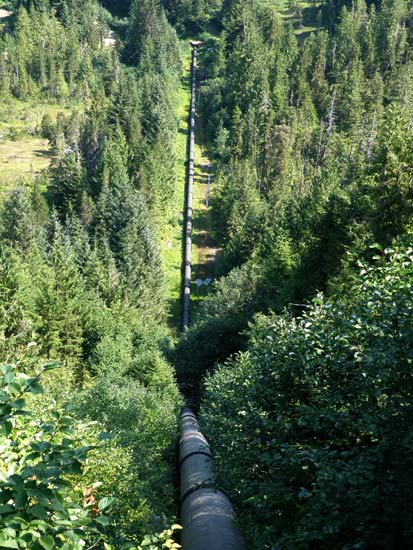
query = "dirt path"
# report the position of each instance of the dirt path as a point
(206, 249)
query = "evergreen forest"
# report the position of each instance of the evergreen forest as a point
(298, 355)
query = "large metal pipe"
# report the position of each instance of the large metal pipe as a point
(190, 193)
(207, 515)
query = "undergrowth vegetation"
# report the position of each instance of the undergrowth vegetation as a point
(300, 355)
(82, 279)
(311, 427)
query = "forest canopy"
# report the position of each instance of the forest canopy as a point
(299, 353)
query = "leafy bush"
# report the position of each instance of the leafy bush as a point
(49, 494)
(137, 464)
(312, 426)
(156, 542)
(216, 332)
(40, 506)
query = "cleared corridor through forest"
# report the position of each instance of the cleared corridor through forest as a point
(207, 515)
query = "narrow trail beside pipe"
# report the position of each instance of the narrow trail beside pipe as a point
(205, 248)
(200, 248)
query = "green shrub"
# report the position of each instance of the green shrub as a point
(217, 331)
(41, 507)
(138, 463)
(312, 426)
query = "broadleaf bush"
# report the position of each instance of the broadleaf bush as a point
(41, 507)
(312, 426)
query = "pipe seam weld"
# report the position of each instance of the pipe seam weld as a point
(192, 454)
(204, 485)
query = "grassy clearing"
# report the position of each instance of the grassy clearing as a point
(172, 240)
(25, 116)
(22, 159)
(301, 14)
(23, 154)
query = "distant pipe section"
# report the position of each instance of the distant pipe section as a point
(190, 195)
(207, 515)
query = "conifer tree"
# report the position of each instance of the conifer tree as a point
(17, 220)
(59, 301)
(66, 184)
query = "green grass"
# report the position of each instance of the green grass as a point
(23, 154)
(26, 115)
(172, 239)
(23, 158)
(303, 17)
